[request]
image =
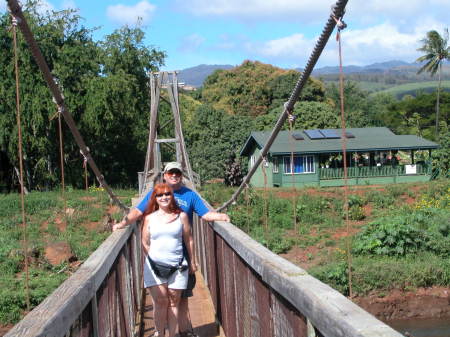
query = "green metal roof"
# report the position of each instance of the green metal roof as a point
(366, 139)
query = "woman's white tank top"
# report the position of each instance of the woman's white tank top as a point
(166, 240)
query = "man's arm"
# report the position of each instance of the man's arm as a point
(216, 216)
(131, 217)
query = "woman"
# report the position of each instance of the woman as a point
(166, 227)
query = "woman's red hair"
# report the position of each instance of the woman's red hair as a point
(153, 205)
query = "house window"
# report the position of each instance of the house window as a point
(302, 164)
(252, 160)
(275, 165)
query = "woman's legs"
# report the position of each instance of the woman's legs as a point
(161, 302)
(174, 300)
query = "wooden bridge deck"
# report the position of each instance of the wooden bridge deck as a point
(201, 310)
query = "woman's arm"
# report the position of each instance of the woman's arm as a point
(189, 242)
(146, 235)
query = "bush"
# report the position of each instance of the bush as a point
(406, 233)
(274, 240)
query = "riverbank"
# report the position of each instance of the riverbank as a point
(422, 303)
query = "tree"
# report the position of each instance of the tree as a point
(105, 89)
(441, 157)
(356, 104)
(436, 50)
(212, 138)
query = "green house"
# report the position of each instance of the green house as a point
(315, 157)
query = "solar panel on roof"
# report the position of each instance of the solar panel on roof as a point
(314, 134)
(330, 134)
(297, 136)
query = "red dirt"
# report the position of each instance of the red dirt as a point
(423, 303)
(5, 328)
(58, 252)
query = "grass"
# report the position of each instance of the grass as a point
(390, 227)
(412, 88)
(44, 216)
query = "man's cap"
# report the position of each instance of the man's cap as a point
(173, 166)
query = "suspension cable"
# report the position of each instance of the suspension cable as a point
(338, 9)
(342, 25)
(266, 208)
(291, 120)
(19, 131)
(16, 11)
(61, 155)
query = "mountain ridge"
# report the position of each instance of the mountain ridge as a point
(195, 76)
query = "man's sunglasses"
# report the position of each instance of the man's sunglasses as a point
(165, 194)
(174, 173)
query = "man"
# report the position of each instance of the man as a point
(189, 201)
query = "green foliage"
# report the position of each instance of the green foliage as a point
(402, 90)
(275, 240)
(105, 88)
(385, 273)
(214, 137)
(310, 209)
(380, 199)
(254, 88)
(441, 156)
(335, 275)
(44, 210)
(416, 115)
(406, 233)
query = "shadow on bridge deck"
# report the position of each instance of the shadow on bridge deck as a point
(201, 311)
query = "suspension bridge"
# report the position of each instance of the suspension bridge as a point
(252, 291)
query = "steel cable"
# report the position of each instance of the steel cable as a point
(338, 10)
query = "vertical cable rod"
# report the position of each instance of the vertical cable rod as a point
(22, 192)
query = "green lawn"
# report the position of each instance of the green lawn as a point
(412, 88)
(83, 231)
(399, 234)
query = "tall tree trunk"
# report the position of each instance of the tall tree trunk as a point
(437, 101)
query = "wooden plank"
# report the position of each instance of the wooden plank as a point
(229, 290)
(94, 310)
(261, 311)
(329, 311)
(167, 140)
(104, 322)
(286, 320)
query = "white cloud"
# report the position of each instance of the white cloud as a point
(360, 46)
(287, 48)
(405, 12)
(68, 4)
(191, 43)
(131, 15)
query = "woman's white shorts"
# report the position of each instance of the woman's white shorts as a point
(178, 280)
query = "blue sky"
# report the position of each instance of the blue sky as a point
(279, 32)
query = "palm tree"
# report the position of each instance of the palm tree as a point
(436, 50)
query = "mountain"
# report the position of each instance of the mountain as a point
(393, 71)
(371, 68)
(196, 75)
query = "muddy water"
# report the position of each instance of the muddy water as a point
(423, 327)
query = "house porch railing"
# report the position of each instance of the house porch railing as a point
(375, 171)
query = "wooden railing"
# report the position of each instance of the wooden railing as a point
(257, 293)
(102, 298)
(371, 171)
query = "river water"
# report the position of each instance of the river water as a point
(423, 328)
